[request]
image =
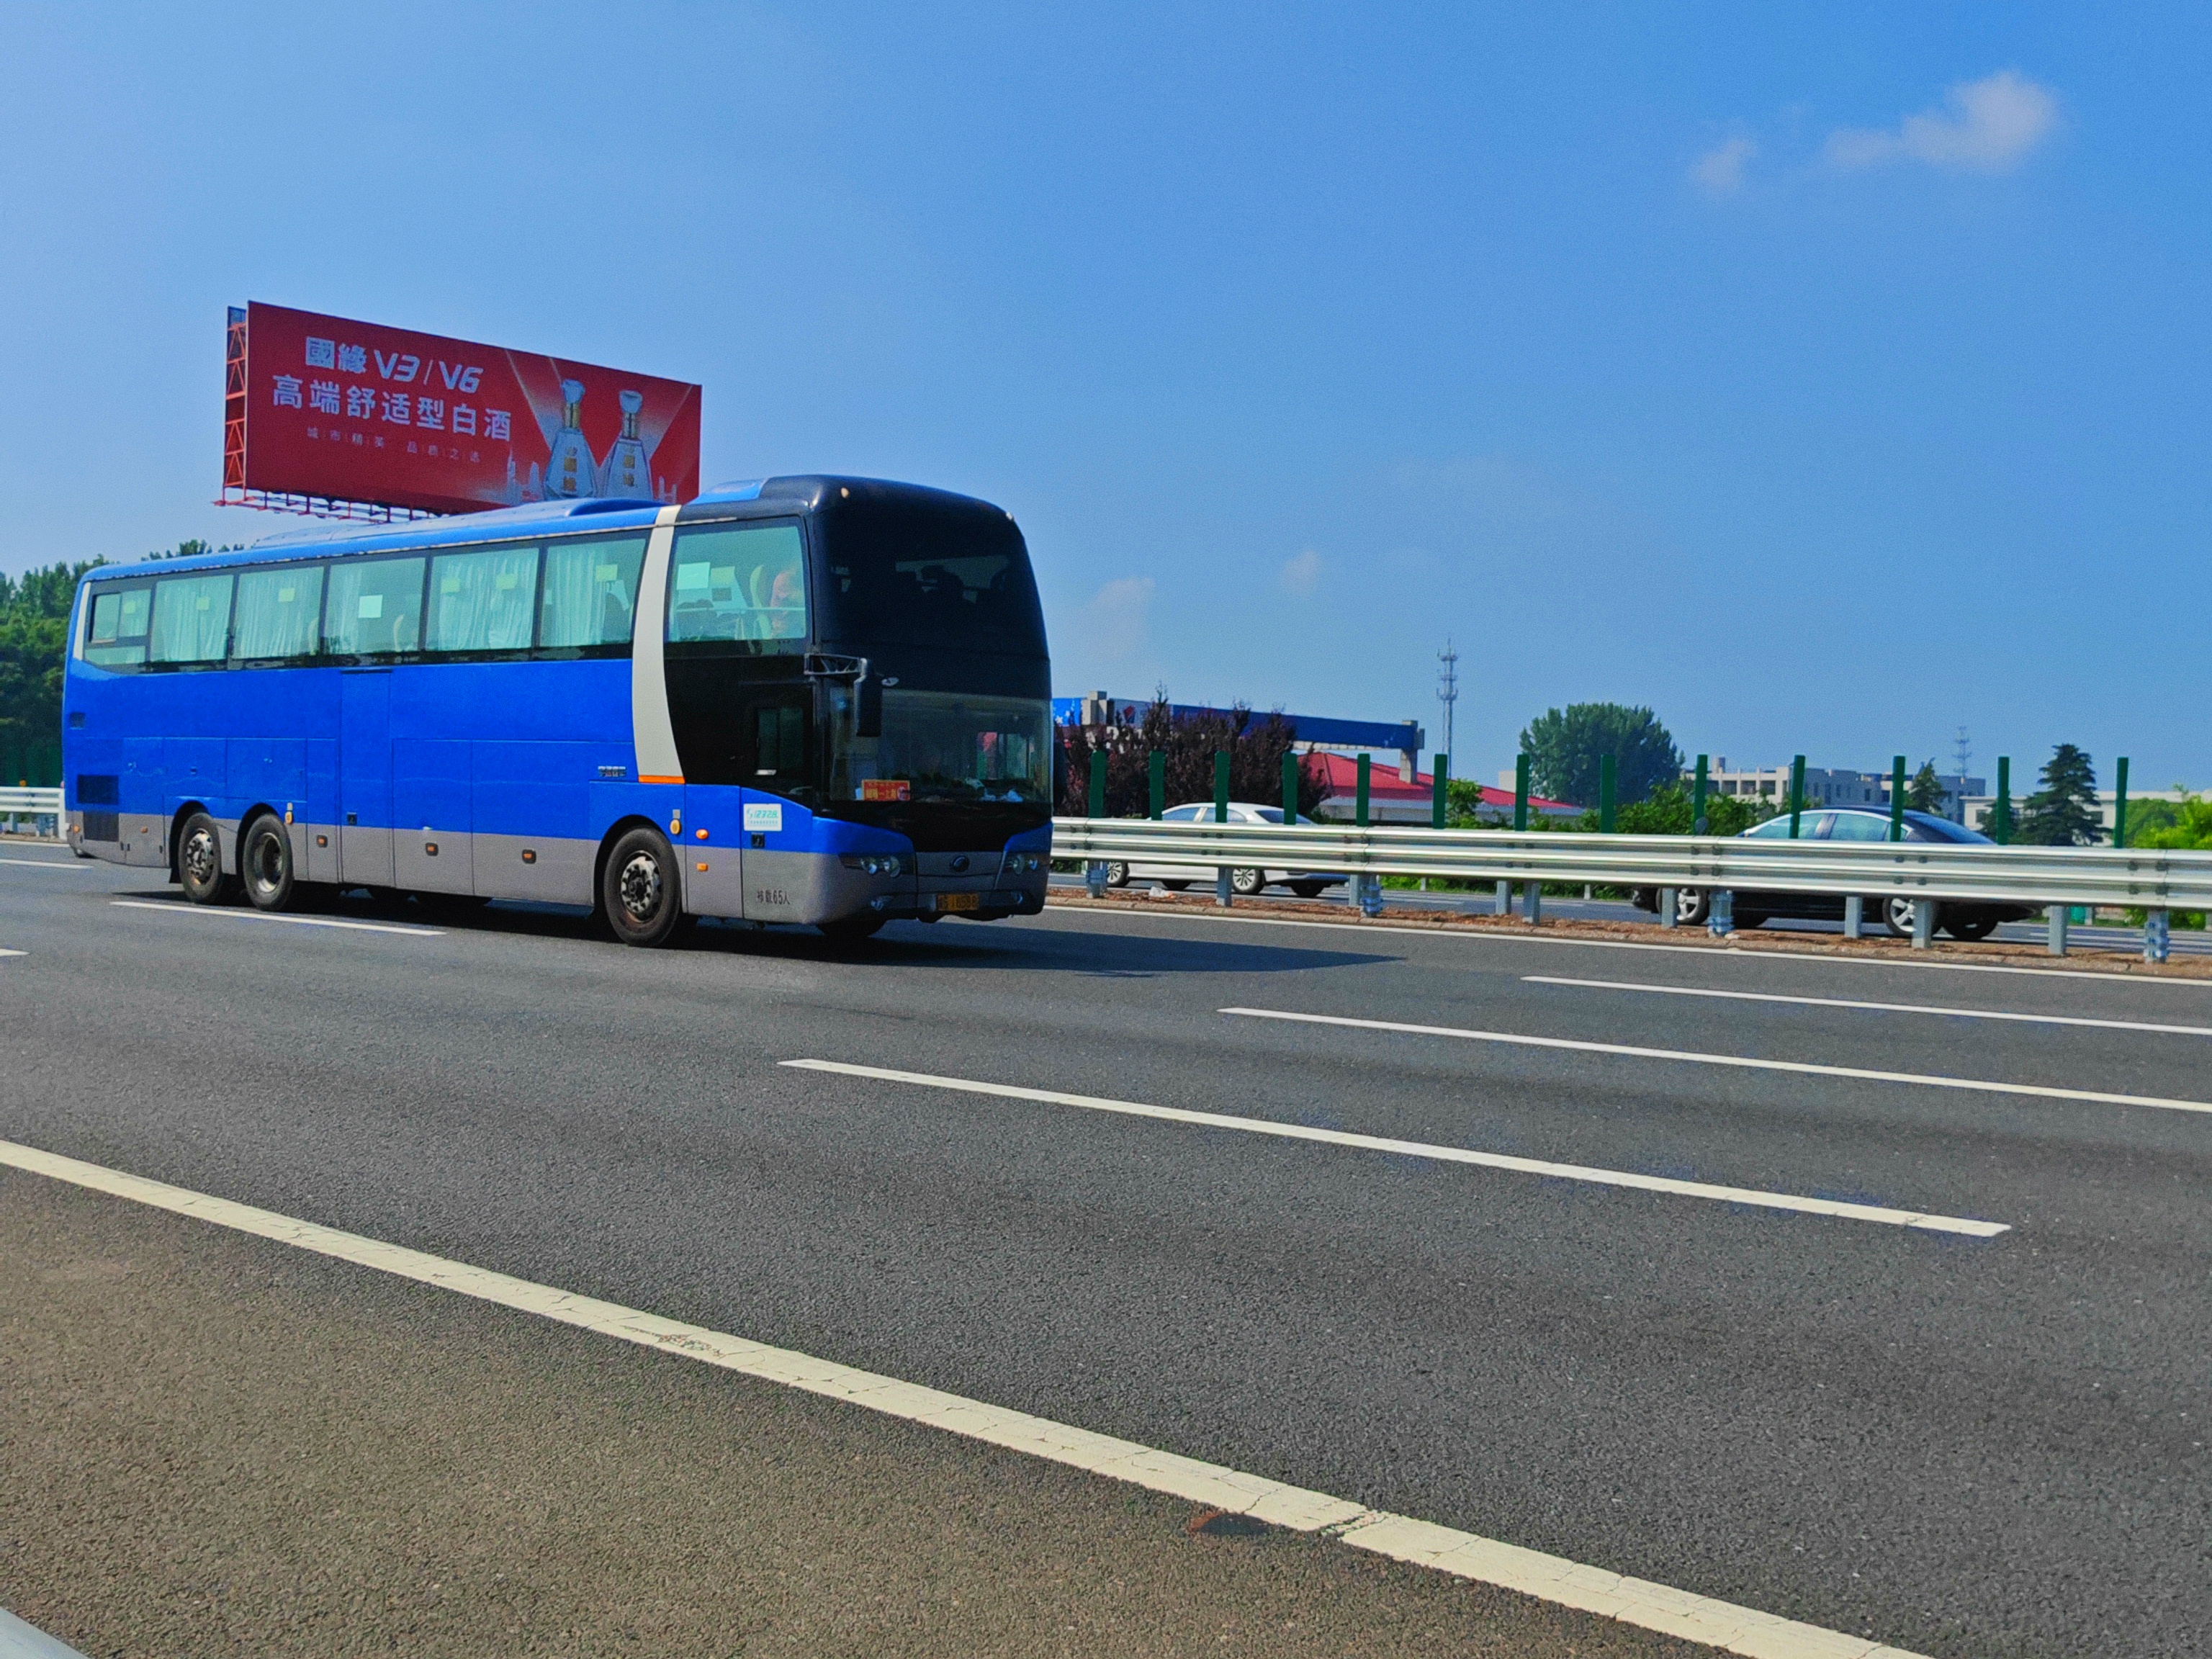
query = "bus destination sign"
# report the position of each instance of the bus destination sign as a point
(351, 413)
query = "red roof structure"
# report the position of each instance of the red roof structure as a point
(1391, 799)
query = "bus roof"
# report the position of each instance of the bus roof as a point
(799, 493)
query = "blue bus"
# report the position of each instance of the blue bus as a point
(821, 700)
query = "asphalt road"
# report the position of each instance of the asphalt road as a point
(1959, 1445)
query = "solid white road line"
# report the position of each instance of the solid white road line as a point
(1547, 1577)
(1734, 953)
(50, 863)
(176, 909)
(1924, 1080)
(1879, 1007)
(1752, 1196)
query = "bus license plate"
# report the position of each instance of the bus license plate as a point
(959, 900)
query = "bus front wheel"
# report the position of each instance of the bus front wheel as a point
(200, 862)
(265, 859)
(641, 894)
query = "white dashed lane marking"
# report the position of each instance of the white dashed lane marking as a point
(182, 909)
(1879, 1007)
(1258, 1126)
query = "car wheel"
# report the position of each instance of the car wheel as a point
(1117, 873)
(640, 895)
(1970, 927)
(1248, 882)
(1692, 906)
(1309, 890)
(265, 856)
(199, 863)
(1896, 916)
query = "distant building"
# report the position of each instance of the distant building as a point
(2108, 804)
(1393, 799)
(1824, 786)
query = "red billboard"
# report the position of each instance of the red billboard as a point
(337, 413)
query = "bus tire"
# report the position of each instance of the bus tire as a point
(200, 862)
(640, 893)
(265, 862)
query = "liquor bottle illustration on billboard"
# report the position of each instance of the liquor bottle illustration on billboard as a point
(570, 469)
(629, 470)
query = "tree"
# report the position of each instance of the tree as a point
(1565, 749)
(1926, 792)
(35, 610)
(2064, 811)
(1257, 746)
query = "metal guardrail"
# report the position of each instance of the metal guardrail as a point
(2133, 876)
(16, 801)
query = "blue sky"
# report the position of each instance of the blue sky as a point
(1825, 380)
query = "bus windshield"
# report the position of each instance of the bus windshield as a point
(923, 573)
(945, 746)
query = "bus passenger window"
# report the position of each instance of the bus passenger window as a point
(279, 613)
(591, 593)
(120, 617)
(740, 584)
(483, 601)
(191, 618)
(375, 607)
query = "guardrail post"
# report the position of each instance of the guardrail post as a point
(1854, 917)
(1608, 771)
(1668, 914)
(1697, 801)
(1094, 872)
(1504, 897)
(1897, 798)
(1796, 793)
(1440, 775)
(1720, 914)
(2120, 804)
(1289, 789)
(2158, 936)
(2001, 817)
(1532, 903)
(1521, 794)
(1156, 765)
(2059, 913)
(1222, 894)
(1924, 923)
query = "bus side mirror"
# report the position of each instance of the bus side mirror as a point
(867, 707)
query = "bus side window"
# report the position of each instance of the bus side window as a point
(191, 618)
(279, 613)
(591, 593)
(374, 607)
(120, 618)
(739, 583)
(483, 601)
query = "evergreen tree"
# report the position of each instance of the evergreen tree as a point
(1926, 792)
(1565, 746)
(35, 610)
(2064, 811)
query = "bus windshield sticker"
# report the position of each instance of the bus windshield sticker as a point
(886, 789)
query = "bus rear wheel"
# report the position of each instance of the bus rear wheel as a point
(640, 895)
(265, 860)
(200, 862)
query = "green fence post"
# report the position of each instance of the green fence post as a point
(1221, 785)
(2001, 819)
(1521, 792)
(1609, 770)
(2120, 806)
(1098, 783)
(1897, 798)
(1366, 767)
(1440, 773)
(1698, 800)
(1289, 788)
(1158, 769)
(1796, 793)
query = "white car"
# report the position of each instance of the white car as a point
(1306, 883)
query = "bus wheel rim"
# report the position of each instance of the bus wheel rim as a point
(640, 886)
(199, 856)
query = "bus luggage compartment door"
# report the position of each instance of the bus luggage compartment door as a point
(365, 776)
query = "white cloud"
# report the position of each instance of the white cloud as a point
(1301, 573)
(1117, 618)
(1719, 171)
(1988, 126)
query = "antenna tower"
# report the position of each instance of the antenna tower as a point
(1448, 688)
